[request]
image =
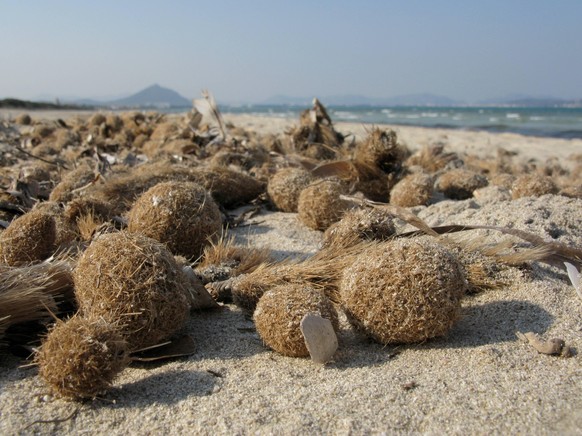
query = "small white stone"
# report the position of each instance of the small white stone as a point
(319, 336)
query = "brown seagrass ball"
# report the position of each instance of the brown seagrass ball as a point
(81, 357)
(132, 280)
(360, 225)
(403, 291)
(533, 185)
(285, 186)
(459, 183)
(413, 190)
(181, 215)
(320, 205)
(67, 188)
(23, 120)
(279, 312)
(29, 238)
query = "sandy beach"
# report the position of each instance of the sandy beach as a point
(480, 378)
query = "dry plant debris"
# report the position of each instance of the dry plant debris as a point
(74, 184)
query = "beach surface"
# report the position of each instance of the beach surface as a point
(481, 378)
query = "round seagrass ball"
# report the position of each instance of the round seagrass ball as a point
(81, 357)
(285, 186)
(533, 185)
(359, 225)
(403, 291)
(279, 312)
(413, 190)
(133, 280)
(320, 204)
(29, 238)
(23, 120)
(181, 215)
(459, 183)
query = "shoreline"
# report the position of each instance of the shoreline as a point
(65, 113)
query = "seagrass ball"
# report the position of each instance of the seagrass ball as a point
(285, 186)
(23, 120)
(572, 191)
(66, 231)
(29, 238)
(413, 190)
(66, 189)
(533, 185)
(459, 183)
(403, 291)
(320, 205)
(80, 358)
(181, 215)
(359, 225)
(502, 180)
(99, 209)
(279, 312)
(133, 280)
(97, 119)
(228, 187)
(381, 150)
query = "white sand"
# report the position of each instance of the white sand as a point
(480, 379)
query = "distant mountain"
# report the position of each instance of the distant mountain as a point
(154, 96)
(360, 100)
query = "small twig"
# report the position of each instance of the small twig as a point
(58, 164)
(53, 421)
(215, 373)
(88, 185)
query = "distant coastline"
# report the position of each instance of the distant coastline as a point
(14, 103)
(541, 121)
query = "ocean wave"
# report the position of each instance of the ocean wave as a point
(544, 122)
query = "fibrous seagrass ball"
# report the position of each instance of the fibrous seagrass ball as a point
(360, 225)
(279, 313)
(413, 190)
(403, 291)
(81, 357)
(285, 186)
(29, 238)
(181, 215)
(74, 179)
(96, 119)
(23, 120)
(381, 150)
(66, 231)
(78, 207)
(572, 191)
(502, 180)
(228, 187)
(533, 185)
(459, 183)
(320, 205)
(132, 280)
(43, 130)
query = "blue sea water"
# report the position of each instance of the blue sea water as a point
(545, 122)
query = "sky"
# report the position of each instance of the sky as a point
(248, 51)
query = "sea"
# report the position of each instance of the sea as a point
(554, 122)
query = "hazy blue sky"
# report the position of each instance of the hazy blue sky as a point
(247, 50)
